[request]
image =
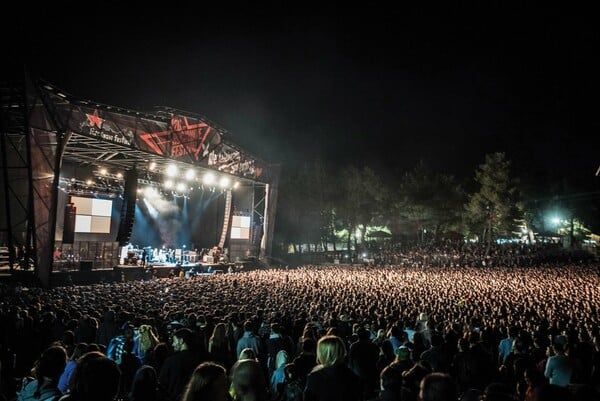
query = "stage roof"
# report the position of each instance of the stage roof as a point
(105, 136)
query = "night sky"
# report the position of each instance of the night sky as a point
(365, 87)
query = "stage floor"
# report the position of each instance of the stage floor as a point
(122, 273)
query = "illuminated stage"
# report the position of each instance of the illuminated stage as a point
(108, 177)
(82, 275)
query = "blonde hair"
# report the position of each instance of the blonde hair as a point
(148, 339)
(281, 359)
(331, 350)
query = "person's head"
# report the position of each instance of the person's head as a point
(309, 345)
(363, 334)
(128, 330)
(160, 352)
(220, 331)
(387, 349)
(96, 378)
(148, 338)
(281, 359)
(275, 328)
(249, 326)
(208, 382)
(463, 344)
(291, 371)
(144, 383)
(51, 363)
(182, 339)
(558, 348)
(78, 351)
(248, 381)
(471, 394)
(247, 353)
(331, 350)
(403, 353)
(438, 387)
(390, 380)
(497, 392)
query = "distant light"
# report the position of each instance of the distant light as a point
(119, 175)
(181, 187)
(168, 184)
(103, 171)
(152, 166)
(555, 221)
(236, 184)
(89, 182)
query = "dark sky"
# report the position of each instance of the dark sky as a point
(367, 87)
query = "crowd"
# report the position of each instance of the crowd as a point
(310, 333)
(450, 253)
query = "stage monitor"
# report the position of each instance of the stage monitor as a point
(93, 215)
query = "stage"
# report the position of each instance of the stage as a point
(87, 274)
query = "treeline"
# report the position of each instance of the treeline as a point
(325, 207)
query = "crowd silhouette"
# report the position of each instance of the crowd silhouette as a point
(316, 332)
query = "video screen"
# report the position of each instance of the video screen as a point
(93, 215)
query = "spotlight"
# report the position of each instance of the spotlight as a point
(224, 182)
(208, 178)
(190, 174)
(171, 170)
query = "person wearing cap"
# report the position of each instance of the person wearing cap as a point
(403, 359)
(119, 345)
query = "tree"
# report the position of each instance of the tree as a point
(426, 200)
(496, 205)
(361, 194)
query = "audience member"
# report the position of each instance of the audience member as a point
(46, 372)
(96, 378)
(208, 382)
(331, 379)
